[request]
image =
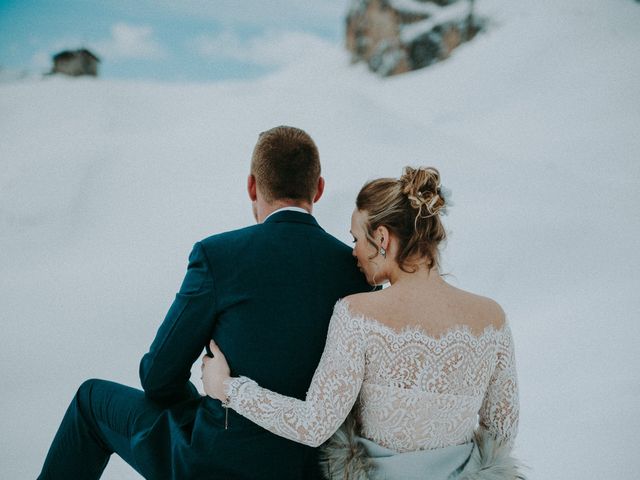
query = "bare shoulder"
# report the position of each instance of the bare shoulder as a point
(366, 303)
(484, 310)
(435, 312)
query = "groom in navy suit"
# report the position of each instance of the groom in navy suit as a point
(265, 293)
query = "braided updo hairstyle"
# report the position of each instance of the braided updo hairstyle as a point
(410, 208)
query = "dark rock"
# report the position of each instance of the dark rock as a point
(75, 63)
(395, 36)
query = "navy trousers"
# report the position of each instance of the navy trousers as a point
(186, 441)
(98, 422)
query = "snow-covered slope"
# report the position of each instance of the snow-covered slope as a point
(104, 187)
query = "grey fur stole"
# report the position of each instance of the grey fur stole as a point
(342, 457)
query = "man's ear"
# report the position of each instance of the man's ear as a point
(252, 188)
(320, 190)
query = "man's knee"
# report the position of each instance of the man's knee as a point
(89, 404)
(86, 392)
(87, 386)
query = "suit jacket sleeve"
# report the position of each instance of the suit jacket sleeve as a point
(187, 328)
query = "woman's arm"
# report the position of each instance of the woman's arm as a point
(331, 395)
(500, 409)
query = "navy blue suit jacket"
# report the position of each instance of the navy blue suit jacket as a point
(265, 293)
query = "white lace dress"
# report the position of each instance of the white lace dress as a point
(410, 391)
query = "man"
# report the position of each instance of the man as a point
(265, 294)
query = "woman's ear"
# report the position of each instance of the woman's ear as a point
(382, 236)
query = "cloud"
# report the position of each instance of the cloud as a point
(130, 41)
(304, 14)
(126, 41)
(40, 61)
(270, 49)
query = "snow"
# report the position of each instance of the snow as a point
(105, 186)
(455, 13)
(416, 6)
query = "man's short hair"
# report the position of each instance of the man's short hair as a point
(286, 164)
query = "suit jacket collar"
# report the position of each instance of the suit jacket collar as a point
(291, 216)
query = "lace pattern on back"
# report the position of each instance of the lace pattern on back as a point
(423, 392)
(411, 391)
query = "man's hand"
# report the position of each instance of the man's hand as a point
(214, 373)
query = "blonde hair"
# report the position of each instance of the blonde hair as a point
(410, 208)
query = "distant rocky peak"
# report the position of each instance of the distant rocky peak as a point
(396, 36)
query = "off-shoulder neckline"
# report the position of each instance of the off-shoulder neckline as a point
(411, 331)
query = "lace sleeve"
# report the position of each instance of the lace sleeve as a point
(333, 390)
(500, 409)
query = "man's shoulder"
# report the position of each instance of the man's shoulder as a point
(234, 236)
(340, 246)
(230, 236)
(250, 242)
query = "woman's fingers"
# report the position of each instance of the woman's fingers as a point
(214, 349)
(205, 358)
(215, 371)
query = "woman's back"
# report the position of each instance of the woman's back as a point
(433, 363)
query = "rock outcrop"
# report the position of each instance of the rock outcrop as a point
(75, 63)
(396, 36)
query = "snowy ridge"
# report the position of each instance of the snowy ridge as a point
(454, 13)
(427, 8)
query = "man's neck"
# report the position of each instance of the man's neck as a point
(266, 209)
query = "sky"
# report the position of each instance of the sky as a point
(190, 40)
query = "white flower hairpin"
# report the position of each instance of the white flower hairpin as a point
(445, 194)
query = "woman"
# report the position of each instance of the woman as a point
(427, 368)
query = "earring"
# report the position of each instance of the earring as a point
(383, 252)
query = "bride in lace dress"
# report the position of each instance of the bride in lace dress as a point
(426, 369)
